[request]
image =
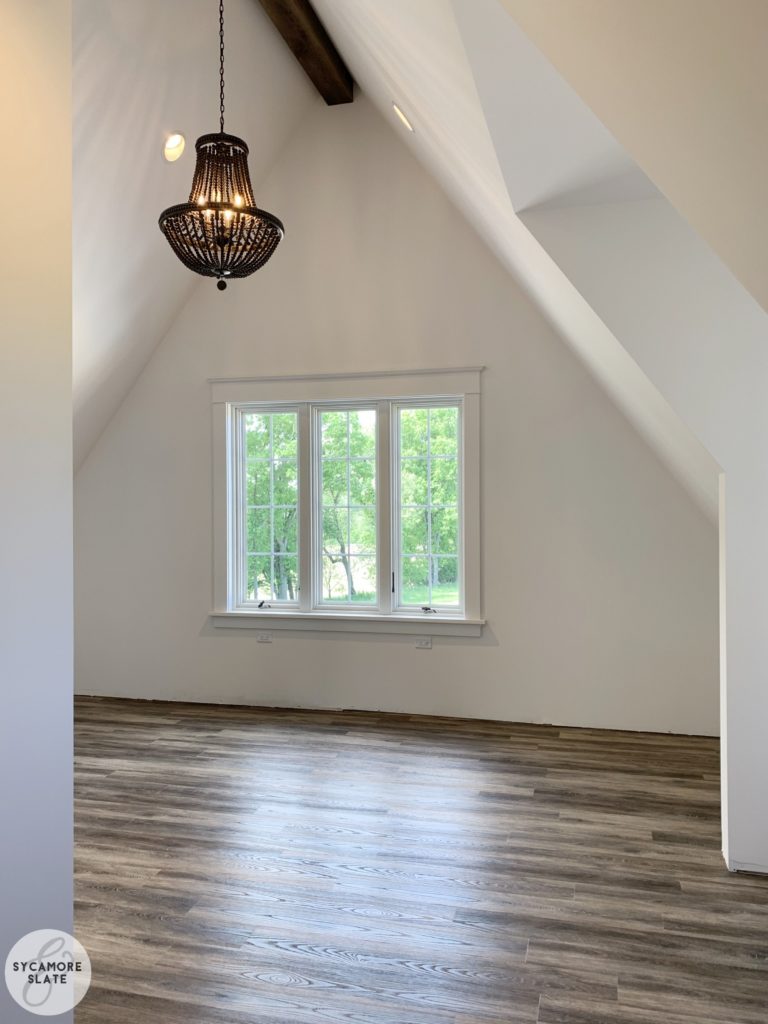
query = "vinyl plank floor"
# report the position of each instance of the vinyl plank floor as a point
(251, 866)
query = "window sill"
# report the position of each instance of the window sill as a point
(350, 622)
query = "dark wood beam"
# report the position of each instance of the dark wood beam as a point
(312, 47)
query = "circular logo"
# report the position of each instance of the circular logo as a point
(48, 972)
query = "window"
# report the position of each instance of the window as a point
(346, 534)
(428, 509)
(270, 506)
(348, 502)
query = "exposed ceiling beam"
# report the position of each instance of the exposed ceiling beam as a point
(312, 47)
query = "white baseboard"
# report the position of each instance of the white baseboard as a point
(752, 869)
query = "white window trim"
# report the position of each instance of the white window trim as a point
(461, 384)
(318, 604)
(458, 402)
(237, 524)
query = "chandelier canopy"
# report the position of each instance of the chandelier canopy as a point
(220, 232)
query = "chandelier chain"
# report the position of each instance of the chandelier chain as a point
(221, 65)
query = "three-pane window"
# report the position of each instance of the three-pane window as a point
(356, 507)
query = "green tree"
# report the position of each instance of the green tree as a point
(429, 517)
(272, 493)
(349, 503)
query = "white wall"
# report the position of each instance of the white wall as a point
(704, 340)
(36, 470)
(678, 84)
(599, 570)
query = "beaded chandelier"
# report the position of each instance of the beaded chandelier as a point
(220, 232)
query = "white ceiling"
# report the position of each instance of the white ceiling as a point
(481, 96)
(683, 85)
(552, 144)
(143, 68)
(421, 55)
(457, 67)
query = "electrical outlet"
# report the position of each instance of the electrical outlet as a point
(264, 638)
(424, 643)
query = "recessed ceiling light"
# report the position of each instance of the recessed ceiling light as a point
(173, 147)
(403, 118)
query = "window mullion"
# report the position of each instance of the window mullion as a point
(469, 496)
(348, 543)
(306, 501)
(397, 512)
(384, 514)
(240, 532)
(430, 558)
(272, 593)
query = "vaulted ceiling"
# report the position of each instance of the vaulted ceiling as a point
(503, 133)
(494, 122)
(142, 69)
(682, 86)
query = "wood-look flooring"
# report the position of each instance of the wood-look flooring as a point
(243, 866)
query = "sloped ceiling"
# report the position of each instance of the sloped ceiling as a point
(426, 56)
(682, 84)
(551, 148)
(142, 69)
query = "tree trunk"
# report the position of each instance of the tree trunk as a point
(348, 571)
(342, 557)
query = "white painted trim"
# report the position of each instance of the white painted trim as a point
(364, 375)
(236, 528)
(466, 565)
(471, 533)
(752, 869)
(348, 387)
(424, 625)
(300, 393)
(722, 610)
(306, 504)
(222, 499)
(319, 603)
(384, 507)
